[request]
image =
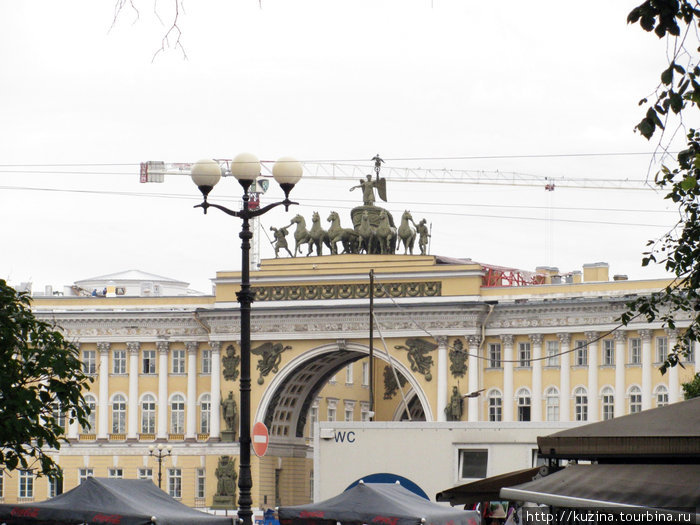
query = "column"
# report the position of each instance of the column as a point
(215, 426)
(674, 380)
(442, 378)
(593, 352)
(191, 421)
(565, 377)
(646, 368)
(132, 426)
(620, 345)
(473, 377)
(696, 352)
(536, 363)
(73, 427)
(103, 391)
(162, 425)
(508, 394)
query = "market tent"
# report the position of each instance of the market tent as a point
(636, 485)
(487, 489)
(102, 501)
(388, 504)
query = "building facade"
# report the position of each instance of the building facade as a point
(546, 350)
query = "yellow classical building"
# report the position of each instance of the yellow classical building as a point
(520, 346)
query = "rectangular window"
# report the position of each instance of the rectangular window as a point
(89, 362)
(608, 407)
(119, 362)
(2, 483)
(349, 414)
(178, 361)
(581, 353)
(348, 375)
(84, 474)
(661, 349)
(116, 473)
(206, 361)
(26, 484)
(145, 473)
(149, 362)
(55, 487)
(313, 419)
(331, 414)
(495, 408)
(175, 483)
(365, 374)
(552, 353)
(608, 352)
(635, 351)
(689, 357)
(523, 354)
(201, 488)
(473, 463)
(364, 411)
(494, 355)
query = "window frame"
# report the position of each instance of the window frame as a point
(119, 362)
(495, 353)
(148, 362)
(178, 361)
(118, 407)
(175, 482)
(524, 354)
(483, 453)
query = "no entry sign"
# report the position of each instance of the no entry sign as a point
(260, 439)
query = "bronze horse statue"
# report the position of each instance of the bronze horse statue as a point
(301, 235)
(349, 238)
(318, 236)
(407, 235)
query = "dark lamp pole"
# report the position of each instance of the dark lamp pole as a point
(160, 453)
(246, 168)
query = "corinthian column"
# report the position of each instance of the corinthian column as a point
(215, 427)
(191, 422)
(508, 394)
(536, 340)
(473, 377)
(162, 430)
(674, 381)
(442, 378)
(103, 380)
(646, 368)
(620, 339)
(565, 377)
(133, 349)
(592, 375)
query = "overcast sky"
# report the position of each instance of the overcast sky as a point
(545, 89)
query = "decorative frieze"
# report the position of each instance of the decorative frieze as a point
(312, 292)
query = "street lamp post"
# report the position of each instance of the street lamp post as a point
(160, 453)
(246, 168)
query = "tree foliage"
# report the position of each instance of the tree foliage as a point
(41, 383)
(678, 92)
(691, 389)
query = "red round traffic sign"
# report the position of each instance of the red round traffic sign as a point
(261, 438)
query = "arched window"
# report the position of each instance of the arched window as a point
(635, 396)
(608, 400)
(177, 414)
(523, 397)
(581, 404)
(495, 406)
(204, 413)
(551, 399)
(661, 394)
(118, 414)
(91, 402)
(148, 414)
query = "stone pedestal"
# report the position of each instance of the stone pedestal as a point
(223, 502)
(228, 436)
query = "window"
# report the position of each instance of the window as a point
(116, 472)
(635, 351)
(608, 399)
(206, 361)
(581, 354)
(2, 484)
(552, 353)
(205, 414)
(175, 483)
(365, 373)
(148, 414)
(58, 415)
(332, 404)
(119, 362)
(349, 411)
(89, 362)
(523, 397)
(608, 352)
(201, 483)
(313, 418)
(84, 474)
(551, 399)
(92, 417)
(118, 414)
(149, 362)
(26, 484)
(348, 375)
(473, 463)
(661, 394)
(689, 357)
(581, 404)
(494, 355)
(661, 349)
(364, 411)
(55, 487)
(178, 361)
(145, 473)
(334, 379)
(523, 354)
(495, 406)
(635, 395)
(177, 414)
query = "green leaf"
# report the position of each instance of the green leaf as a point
(689, 182)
